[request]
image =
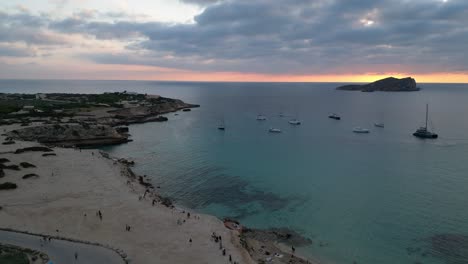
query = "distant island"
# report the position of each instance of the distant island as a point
(389, 84)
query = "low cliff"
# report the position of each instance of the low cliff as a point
(78, 135)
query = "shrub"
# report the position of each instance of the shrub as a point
(31, 175)
(8, 186)
(27, 165)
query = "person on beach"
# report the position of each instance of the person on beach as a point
(76, 255)
(188, 215)
(224, 252)
(190, 241)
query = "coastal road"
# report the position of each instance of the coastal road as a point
(61, 251)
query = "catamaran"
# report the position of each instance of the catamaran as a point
(261, 118)
(422, 132)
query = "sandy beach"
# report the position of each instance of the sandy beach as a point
(75, 184)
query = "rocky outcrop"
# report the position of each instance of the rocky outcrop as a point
(390, 84)
(146, 113)
(71, 135)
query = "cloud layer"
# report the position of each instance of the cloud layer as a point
(262, 36)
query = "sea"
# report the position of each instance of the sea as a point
(380, 198)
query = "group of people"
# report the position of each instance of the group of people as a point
(45, 239)
(219, 239)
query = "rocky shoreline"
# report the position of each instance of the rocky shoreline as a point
(263, 245)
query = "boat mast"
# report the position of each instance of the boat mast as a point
(427, 110)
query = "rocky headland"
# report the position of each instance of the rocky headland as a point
(389, 84)
(82, 120)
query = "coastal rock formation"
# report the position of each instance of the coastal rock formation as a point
(69, 135)
(390, 84)
(146, 113)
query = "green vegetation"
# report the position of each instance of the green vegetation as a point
(12, 256)
(7, 106)
(8, 186)
(47, 104)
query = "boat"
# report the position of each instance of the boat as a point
(274, 130)
(294, 122)
(261, 118)
(379, 125)
(221, 125)
(360, 130)
(423, 132)
(334, 116)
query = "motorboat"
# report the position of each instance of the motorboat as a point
(294, 122)
(334, 116)
(274, 130)
(360, 130)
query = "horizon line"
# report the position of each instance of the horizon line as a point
(198, 81)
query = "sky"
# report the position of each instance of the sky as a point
(235, 40)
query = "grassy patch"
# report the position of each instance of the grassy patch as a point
(9, 256)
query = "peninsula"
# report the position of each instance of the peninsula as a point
(82, 119)
(389, 84)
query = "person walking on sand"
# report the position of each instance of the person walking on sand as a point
(76, 256)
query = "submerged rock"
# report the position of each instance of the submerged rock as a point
(281, 235)
(452, 248)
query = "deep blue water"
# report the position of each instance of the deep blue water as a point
(375, 198)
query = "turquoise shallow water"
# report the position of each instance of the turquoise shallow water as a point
(384, 197)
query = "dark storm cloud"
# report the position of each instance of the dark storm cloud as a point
(298, 36)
